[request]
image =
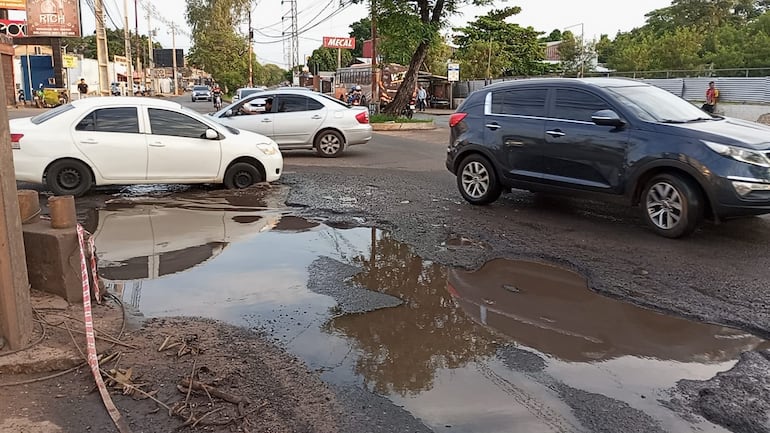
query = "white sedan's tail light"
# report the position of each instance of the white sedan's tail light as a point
(363, 117)
(15, 138)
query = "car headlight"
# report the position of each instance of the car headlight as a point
(268, 148)
(740, 154)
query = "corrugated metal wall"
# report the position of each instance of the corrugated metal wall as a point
(754, 90)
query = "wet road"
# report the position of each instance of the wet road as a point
(476, 318)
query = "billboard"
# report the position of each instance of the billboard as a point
(163, 58)
(58, 18)
(13, 28)
(19, 5)
(335, 42)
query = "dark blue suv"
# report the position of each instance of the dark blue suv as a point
(616, 139)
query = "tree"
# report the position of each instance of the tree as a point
(217, 48)
(516, 49)
(325, 59)
(603, 49)
(554, 36)
(575, 54)
(362, 31)
(115, 44)
(432, 17)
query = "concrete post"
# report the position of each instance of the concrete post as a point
(15, 306)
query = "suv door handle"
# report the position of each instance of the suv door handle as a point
(493, 126)
(555, 133)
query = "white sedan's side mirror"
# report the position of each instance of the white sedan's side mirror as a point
(228, 113)
(211, 134)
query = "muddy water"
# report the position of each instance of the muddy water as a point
(480, 351)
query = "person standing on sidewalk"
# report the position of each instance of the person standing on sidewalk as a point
(712, 95)
(82, 88)
(422, 96)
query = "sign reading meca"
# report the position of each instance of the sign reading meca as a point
(335, 42)
(53, 18)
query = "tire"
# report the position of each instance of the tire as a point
(672, 205)
(69, 177)
(329, 144)
(242, 175)
(477, 180)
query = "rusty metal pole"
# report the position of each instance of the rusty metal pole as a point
(15, 306)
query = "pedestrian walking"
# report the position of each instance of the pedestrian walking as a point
(82, 88)
(422, 96)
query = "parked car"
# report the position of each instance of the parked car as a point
(245, 91)
(115, 89)
(130, 140)
(201, 93)
(300, 119)
(613, 139)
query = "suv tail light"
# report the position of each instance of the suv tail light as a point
(456, 118)
(363, 117)
(15, 138)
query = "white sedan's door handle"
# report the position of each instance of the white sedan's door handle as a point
(157, 144)
(266, 120)
(316, 117)
(89, 141)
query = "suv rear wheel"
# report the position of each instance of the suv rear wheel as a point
(672, 205)
(477, 180)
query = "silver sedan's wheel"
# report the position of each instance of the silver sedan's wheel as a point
(672, 205)
(477, 180)
(329, 144)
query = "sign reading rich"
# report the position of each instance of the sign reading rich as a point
(53, 18)
(335, 42)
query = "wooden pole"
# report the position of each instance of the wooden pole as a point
(15, 306)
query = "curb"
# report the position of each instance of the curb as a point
(394, 126)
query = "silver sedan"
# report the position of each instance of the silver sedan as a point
(300, 119)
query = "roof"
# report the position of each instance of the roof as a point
(123, 100)
(598, 81)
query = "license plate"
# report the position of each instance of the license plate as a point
(411, 106)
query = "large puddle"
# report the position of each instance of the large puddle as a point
(480, 351)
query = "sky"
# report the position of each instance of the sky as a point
(593, 17)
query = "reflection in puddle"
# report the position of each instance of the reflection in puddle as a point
(438, 354)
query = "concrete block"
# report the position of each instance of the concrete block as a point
(53, 260)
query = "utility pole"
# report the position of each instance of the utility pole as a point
(150, 48)
(173, 57)
(375, 97)
(15, 306)
(127, 36)
(251, 37)
(102, 57)
(138, 45)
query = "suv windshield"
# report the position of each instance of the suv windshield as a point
(657, 105)
(199, 88)
(246, 92)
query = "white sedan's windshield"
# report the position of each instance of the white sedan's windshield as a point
(655, 104)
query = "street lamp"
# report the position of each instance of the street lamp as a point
(582, 54)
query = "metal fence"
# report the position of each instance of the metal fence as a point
(754, 90)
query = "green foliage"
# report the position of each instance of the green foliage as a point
(219, 50)
(384, 118)
(491, 47)
(362, 31)
(115, 45)
(325, 59)
(693, 35)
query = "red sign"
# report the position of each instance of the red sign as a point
(58, 18)
(12, 28)
(344, 43)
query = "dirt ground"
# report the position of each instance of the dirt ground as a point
(242, 382)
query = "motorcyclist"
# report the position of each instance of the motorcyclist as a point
(216, 96)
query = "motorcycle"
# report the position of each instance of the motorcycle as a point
(217, 101)
(408, 111)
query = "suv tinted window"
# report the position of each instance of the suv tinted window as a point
(521, 102)
(123, 119)
(577, 105)
(164, 122)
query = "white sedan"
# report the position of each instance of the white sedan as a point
(298, 118)
(126, 141)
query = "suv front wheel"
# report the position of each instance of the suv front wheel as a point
(477, 180)
(671, 205)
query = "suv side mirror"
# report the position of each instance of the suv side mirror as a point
(607, 118)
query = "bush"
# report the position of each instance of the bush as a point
(384, 118)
